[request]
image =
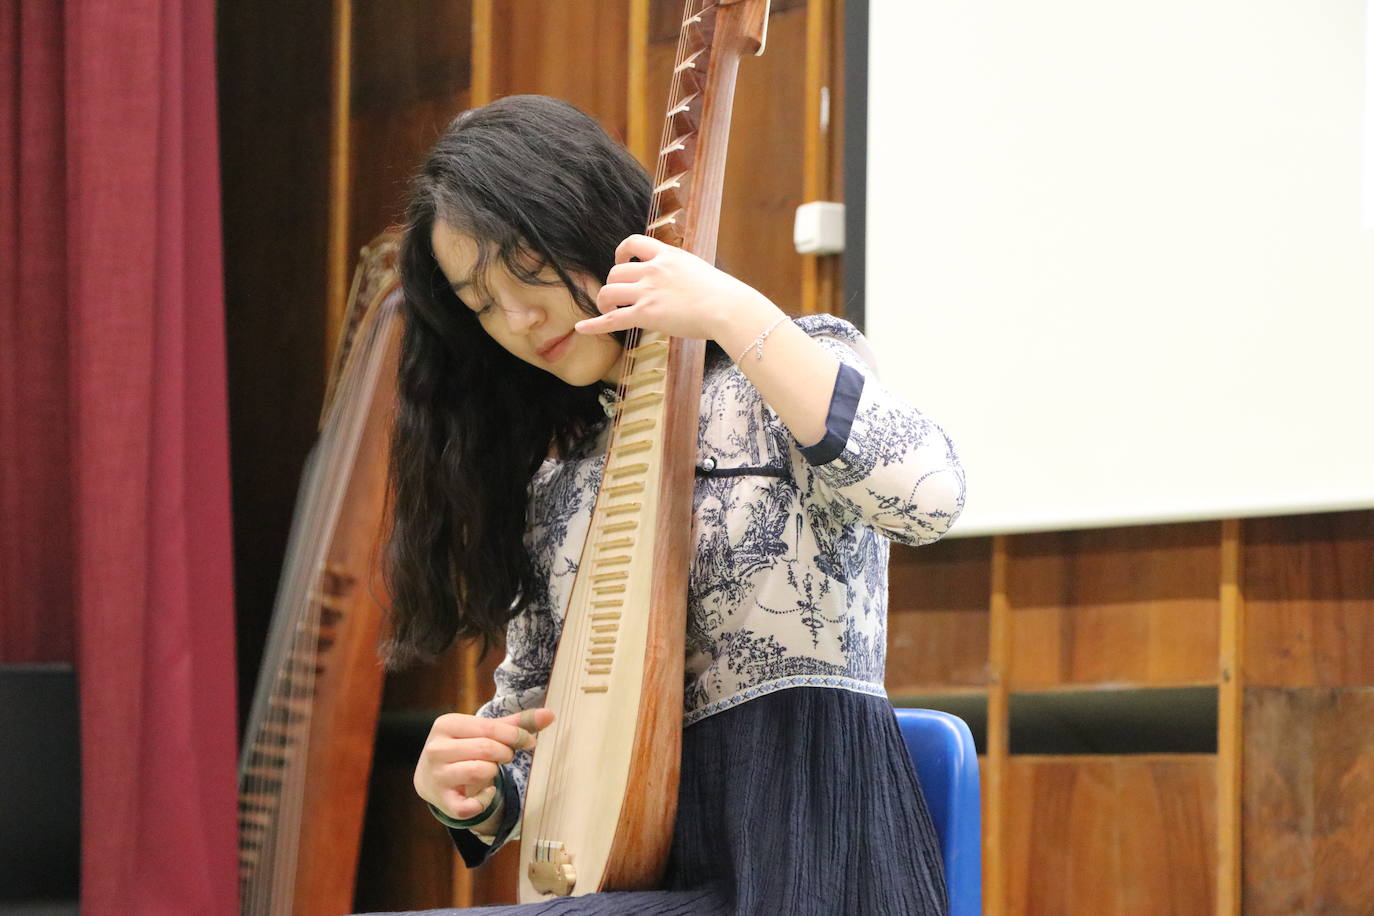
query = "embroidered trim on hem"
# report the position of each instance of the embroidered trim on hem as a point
(802, 680)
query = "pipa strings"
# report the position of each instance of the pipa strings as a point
(547, 826)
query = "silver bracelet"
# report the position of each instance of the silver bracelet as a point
(757, 345)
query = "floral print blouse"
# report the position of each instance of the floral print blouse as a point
(788, 584)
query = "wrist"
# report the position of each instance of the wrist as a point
(489, 826)
(740, 329)
(485, 821)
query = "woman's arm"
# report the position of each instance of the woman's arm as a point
(794, 373)
(670, 290)
(868, 454)
(882, 462)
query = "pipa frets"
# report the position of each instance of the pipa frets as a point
(620, 654)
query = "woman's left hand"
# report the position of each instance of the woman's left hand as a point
(671, 291)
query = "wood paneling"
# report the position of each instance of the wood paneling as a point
(407, 856)
(575, 51)
(410, 78)
(1309, 801)
(1230, 723)
(938, 615)
(837, 65)
(820, 274)
(764, 171)
(1123, 605)
(1111, 835)
(274, 118)
(1308, 583)
(999, 732)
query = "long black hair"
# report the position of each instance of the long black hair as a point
(537, 184)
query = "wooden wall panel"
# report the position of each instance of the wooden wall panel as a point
(1133, 605)
(411, 76)
(407, 858)
(575, 51)
(1110, 835)
(937, 626)
(764, 177)
(1167, 823)
(837, 82)
(1308, 801)
(273, 62)
(822, 276)
(1308, 586)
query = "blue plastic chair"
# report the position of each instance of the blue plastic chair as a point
(941, 746)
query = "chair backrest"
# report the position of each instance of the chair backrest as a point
(941, 747)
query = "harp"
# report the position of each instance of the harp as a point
(308, 744)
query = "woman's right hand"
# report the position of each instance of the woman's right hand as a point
(462, 754)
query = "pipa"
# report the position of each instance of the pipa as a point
(602, 795)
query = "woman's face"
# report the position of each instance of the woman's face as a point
(533, 322)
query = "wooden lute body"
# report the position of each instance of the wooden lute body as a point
(602, 795)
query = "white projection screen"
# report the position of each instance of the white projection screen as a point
(1117, 250)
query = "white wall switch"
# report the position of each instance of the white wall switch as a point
(819, 228)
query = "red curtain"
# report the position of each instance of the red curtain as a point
(36, 600)
(115, 533)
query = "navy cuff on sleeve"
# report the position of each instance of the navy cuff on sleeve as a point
(473, 850)
(844, 401)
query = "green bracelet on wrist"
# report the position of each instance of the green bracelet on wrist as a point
(469, 822)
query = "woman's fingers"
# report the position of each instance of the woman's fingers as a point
(519, 730)
(642, 247)
(464, 802)
(616, 302)
(629, 272)
(532, 720)
(451, 750)
(619, 319)
(515, 731)
(616, 295)
(464, 753)
(466, 787)
(461, 806)
(472, 776)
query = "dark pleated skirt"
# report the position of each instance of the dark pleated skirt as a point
(802, 801)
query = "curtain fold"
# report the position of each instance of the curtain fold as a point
(116, 525)
(36, 598)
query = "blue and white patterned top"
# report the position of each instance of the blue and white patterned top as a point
(788, 584)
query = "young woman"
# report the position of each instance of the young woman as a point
(522, 270)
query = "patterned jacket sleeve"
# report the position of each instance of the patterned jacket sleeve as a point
(522, 681)
(882, 461)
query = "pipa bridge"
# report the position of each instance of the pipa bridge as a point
(552, 870)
